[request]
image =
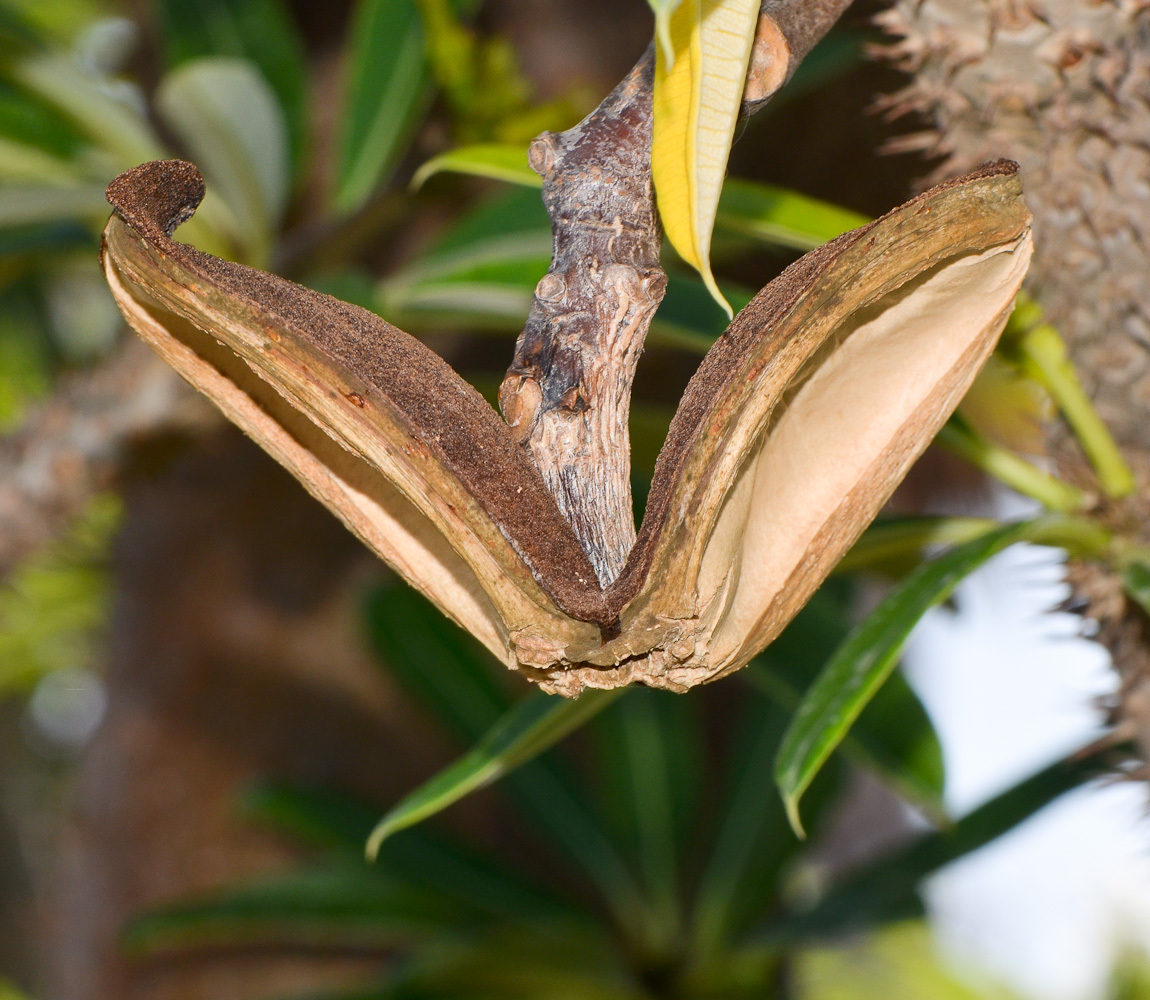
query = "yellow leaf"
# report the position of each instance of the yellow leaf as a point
(697, 100)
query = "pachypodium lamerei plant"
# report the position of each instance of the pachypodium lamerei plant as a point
(1061, 91)
(791, 436)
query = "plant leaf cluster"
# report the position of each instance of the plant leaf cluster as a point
(655, 862)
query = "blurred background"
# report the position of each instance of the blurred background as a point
(209, 691)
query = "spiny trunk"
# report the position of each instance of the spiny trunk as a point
(1061, 86)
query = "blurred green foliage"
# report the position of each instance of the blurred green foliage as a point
(662, 864)
(1131, 978)
(650, 859)
(897, 963)
(54, 607)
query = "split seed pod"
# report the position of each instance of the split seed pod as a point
(792, 434)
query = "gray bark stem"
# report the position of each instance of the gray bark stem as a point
(567, 393)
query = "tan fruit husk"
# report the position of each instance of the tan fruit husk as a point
(794, 431)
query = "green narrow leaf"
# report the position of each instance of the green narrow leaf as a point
(543, 793)
(481, 274)
(532, 726)
(540, 963)
(329, 819)
(959, 437)
(388, 86)
(22, 162)
(1136, 581)
(454, 677)
(260, 31)
(895, 546)
(492, 160)
(770, 214)
(46, 238)
(689, 318)
(317, 816)
(33, 204)
(49, 21)
(228, 117)
(487, 286)
(663, 10)
(893, 737)
(26, 118)
(746, 812)
(511, 962)
(648, 750)
(841, 51)
(16, 33)
(754, 841)
(755, 848)
(340, 905)
(508, 211)
(781, 217)
(888, 889)
(867, 657)
(474, 880)
(81, 98)
(1041, 352)
(442, 667)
